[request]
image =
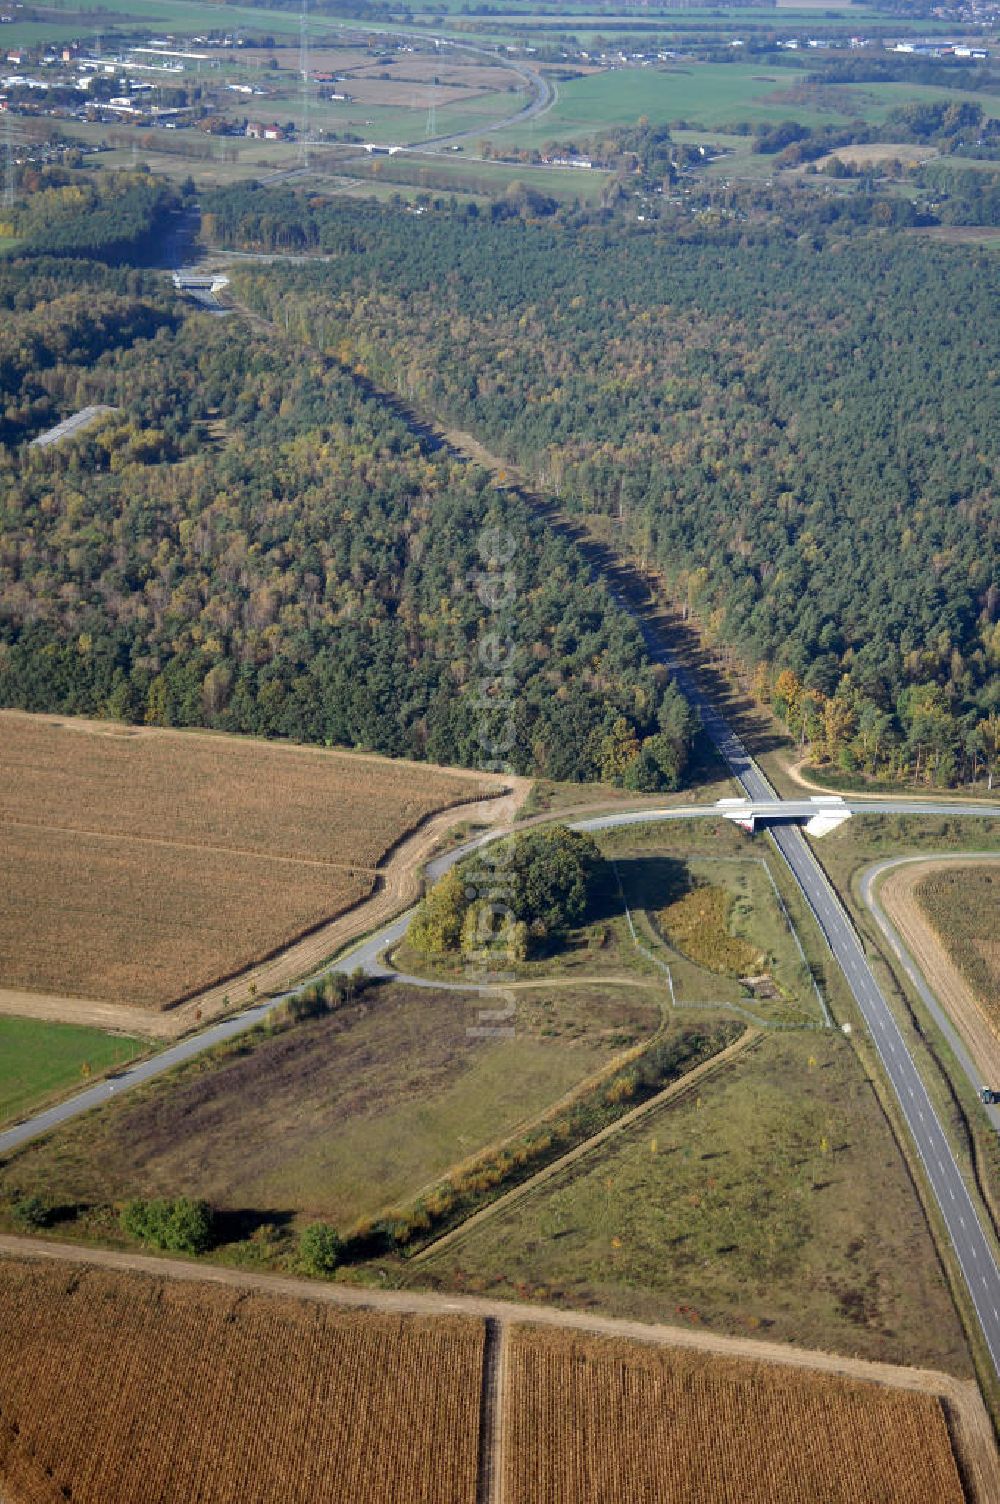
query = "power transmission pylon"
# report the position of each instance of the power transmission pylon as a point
(8, 165)
(304, 70)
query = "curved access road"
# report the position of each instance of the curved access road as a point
(870, 880)
(543, 97)
(368, 954)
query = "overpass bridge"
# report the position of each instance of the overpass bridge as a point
(202, 287)
(819, 815)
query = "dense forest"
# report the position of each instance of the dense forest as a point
(252, 543)
(797, 433)
(116, 219)
(56, 319)
(801, 436)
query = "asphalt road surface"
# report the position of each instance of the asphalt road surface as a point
(73, 424)
(973, 1249)
(919, 982)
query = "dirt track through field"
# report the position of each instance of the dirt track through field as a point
(794, 771)
(968, 1422)
(898, 895)
(166, 844)
(676, 1089)
(491, 1423)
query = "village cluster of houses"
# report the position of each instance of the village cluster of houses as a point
(140, 71)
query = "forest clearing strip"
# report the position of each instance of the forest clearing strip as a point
(669, 1093)
(968, 1421)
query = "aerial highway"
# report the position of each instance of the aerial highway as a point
(872, 902)
(972, 1246)
(784, 818)
(75, 423)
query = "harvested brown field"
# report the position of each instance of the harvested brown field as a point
(987, 235)
(691, 1354)
(601, 1419)
(405, 94)
(145, 1390)
(139, 866)
(430, 70)
(870, 155)
(962, 905)
(123, 922)
(948, 915)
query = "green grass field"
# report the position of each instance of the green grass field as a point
(440, 173)
(712, 95)
(185, 17)
(207, 172)
(728, 19)
(39, 1060)
(388, 124)
(772, 1200)
(887, 97)
(700, 942)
